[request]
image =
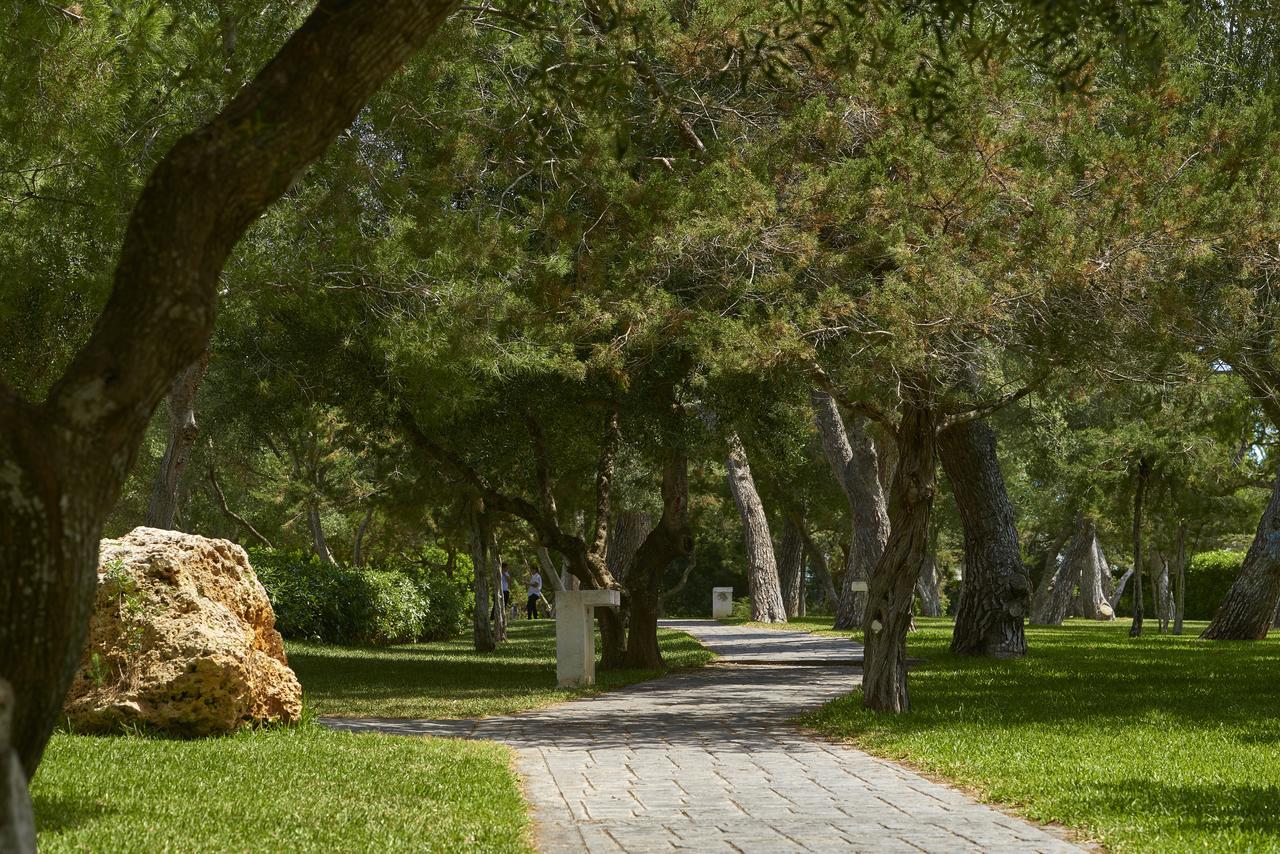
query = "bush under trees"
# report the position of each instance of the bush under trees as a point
(347, 605)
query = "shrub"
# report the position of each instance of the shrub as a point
(404, 603)
(1209, 576)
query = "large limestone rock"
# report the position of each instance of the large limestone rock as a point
(182, 639)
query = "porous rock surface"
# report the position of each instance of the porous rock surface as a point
(182, 640)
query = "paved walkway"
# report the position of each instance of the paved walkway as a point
(704, 760)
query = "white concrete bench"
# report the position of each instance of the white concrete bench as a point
(576, 634)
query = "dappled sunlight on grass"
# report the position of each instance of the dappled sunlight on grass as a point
(1155, 743)
(449, 679)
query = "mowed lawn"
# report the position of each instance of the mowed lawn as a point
(1161, 743)
(450, 680)
(286, 789)
(309, 789)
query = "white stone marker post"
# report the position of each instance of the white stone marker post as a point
(576, 634)
(721, 602)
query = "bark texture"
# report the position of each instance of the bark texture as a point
(888, 617)
(996, 594)
(1245, 613)
(670, 539)
(1093, 601)
(183, 432)
(791, 566)
(762, 568)
(64, 462)
(854, 461)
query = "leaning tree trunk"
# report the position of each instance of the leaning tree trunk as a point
(670, 539)
(791, 566)
(318, 540)
(762, 569)
(1052, 569)
(1062, 595)
(1245, 613)
(183, 431)
(1139, 494)
(481, 562)
(357, 542)
(64, 462)
(888, 617)
(1120, 588)
(996, 594)
(854, 460)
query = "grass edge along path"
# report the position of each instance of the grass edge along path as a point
(448, 679)
(1162, 742)
(302, 788)
(307, 788)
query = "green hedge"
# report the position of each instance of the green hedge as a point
(1209, 577)
(404, 603)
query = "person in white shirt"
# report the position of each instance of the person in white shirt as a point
(535, 593)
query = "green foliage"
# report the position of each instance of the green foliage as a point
(1209, 577)
(1161, 743)
(350, 605)
(310, 790)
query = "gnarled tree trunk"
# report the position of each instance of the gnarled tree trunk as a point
(791, 566)
(996, 594)
(762, 568)
(1044, 590)
(1245, 613)
(65, 460)
(183, 431)
(888, 617)
(854, 461)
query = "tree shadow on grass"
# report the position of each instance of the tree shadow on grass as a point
(58, 813)
(1244, 807)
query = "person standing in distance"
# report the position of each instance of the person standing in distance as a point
(535, 593)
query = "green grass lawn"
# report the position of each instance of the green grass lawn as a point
(1157, 744)
(310, 789)
(451, 680)
(299, 789)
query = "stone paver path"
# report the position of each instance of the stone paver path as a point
(705, 760)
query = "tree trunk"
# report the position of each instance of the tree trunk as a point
(791, 566)
(928, 589)
(357, 543)
(1245, 613)
(884, 681)
(318, 540)
(1092, 603)
(549, 574)
(63, 463)
(1139, 494)
(1061, 596)
(481, 564)
(671, 538)
(819, 559)
(1120, 586)
(1048, 576)
(629, 529)
(996, 594)
(762, 569)
(183, 430)
(854, 461)
(1180, 578)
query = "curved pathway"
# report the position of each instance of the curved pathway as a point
(705, 760)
